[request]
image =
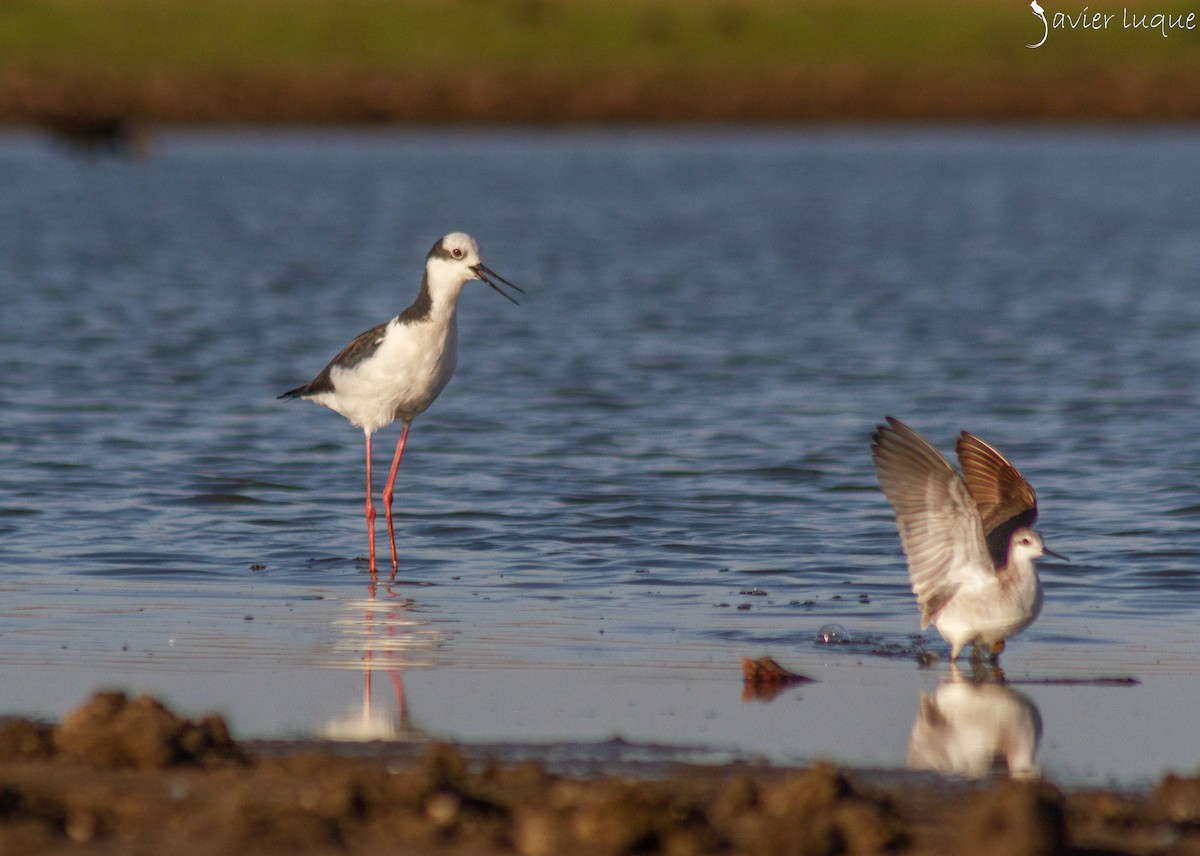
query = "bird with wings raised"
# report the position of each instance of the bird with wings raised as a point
(967, 537)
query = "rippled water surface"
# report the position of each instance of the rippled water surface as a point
(657, 465)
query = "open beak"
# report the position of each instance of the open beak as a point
(491, 278)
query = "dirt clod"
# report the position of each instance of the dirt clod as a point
(113, 731)
(1017, 817)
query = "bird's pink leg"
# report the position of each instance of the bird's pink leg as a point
(370, 511)
(387, 494)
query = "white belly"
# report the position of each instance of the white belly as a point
(989, 614)
(402, 378)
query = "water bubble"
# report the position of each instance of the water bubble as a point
(832, 634)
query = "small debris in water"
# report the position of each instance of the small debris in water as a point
(754, 592)
(258, 566)
(767, 670)
(764, 678)
(743, 606)
(1122, 681)
(875, 645)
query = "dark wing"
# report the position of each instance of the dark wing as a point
(363, 346)
(938, 520)
(1006, 501)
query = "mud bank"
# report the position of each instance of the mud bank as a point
(128, 776)
(75, 102)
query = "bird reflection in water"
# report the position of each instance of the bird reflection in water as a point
(976, 726)
(382, 640)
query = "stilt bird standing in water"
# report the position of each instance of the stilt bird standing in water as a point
(396, 370)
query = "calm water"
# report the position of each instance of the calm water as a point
(655, 466)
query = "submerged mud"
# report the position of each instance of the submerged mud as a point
(128, 776)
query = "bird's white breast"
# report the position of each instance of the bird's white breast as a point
(992, 612)
(400, 379)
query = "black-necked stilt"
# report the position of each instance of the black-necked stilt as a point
(969, 546)
(396, 370)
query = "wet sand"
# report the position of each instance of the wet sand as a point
(124, 775)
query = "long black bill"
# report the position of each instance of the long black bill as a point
(1050, 552)
(488, 275)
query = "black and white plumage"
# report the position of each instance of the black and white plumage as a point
(969, 546)
(395, 371)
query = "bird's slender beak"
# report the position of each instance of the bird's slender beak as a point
(1050, 552)
(488, 275)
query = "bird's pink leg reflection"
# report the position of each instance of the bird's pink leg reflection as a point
(393, 669)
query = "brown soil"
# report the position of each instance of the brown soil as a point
(848, 93)
(125, 776)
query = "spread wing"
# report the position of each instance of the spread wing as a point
(940, 527)
(1006, 501)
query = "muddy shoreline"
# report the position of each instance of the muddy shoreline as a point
(124, 775)
(849, 93)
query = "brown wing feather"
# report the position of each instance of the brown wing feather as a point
(1006, 500)
(936, 516)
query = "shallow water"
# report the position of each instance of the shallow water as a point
(655, 466)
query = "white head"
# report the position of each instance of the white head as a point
(453, 261)
(1025, 545)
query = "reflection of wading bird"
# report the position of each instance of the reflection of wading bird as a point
(396, 370)
(969, 546)
(387, 637)
(975, 728)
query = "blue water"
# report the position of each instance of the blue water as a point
(656, 465)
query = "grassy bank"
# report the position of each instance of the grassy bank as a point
(581, 60)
